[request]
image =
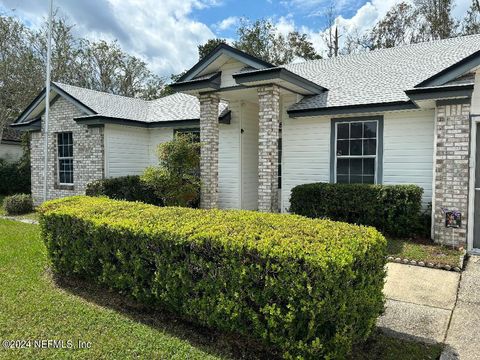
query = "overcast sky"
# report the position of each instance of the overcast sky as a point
(165, 33)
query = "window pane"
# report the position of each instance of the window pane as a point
(342, 147)
(342, 179)
(368, 179)
(355, 130)
(343, 166)
(369, 166)
(355, 147)
(343, 131)
(356, 179)
(370, 147)
(370, 129)
(356, 166)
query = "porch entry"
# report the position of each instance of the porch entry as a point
(476, 209)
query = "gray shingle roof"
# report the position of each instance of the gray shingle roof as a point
(169, 108)
(380, 76)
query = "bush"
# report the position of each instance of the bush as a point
(130, 188)
(176, 180)
(309, 288)
(392, 209)
(14, 177)
(18, 204)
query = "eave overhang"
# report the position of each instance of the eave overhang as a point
(205, 83)
(31, 125)
(281, 77)
(440, 92)
(352, 109)
(100, 120)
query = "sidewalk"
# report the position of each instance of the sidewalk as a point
(463, 337)
(420, 302)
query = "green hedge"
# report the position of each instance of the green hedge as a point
(392, 209)
(130, 188)
(18, 204)
(308, 288)
(14, 177)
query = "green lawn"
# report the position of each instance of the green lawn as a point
(423, 250)
(36, 306)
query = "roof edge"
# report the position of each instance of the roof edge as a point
(440, 92)
(353, 109)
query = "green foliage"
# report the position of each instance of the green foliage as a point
(18, 204)
(309, 288)
(263, 40)
(205, 49)
(14, 177)
(130, 188)
(176, 179)
(392, 209)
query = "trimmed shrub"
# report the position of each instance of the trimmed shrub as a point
(309, 288)
(18, 204)
(14, 177)
(130, 188)
(392, 209)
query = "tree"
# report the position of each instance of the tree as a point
(205, 49)
(436, 19)
(331, 36)
(262, 39)
(176, 180)
(396, 28)
(471, 22)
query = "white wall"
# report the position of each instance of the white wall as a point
(305, 153)
(407, 158)
(229, 182)
(229, 68)
(158, 136)
(11, 152)
(408, 149)
(249, 147)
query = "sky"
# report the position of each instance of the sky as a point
(166, 33)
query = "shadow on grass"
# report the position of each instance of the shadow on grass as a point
(209, 340)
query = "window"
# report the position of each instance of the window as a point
(356, 145)
(65, 158)
(192, 131)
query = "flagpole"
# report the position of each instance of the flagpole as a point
(47, 99)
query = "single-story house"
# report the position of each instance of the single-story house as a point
(404, 115)
(11, 148)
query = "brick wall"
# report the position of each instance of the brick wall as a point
(451, 171)
(269, 121)
(88, 153)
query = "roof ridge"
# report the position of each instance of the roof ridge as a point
(376, 51)
(100, 92)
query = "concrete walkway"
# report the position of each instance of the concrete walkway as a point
(420, 302)
(432, 305)
(463, 336)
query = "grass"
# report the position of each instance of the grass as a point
(36, 305)
(423, 250)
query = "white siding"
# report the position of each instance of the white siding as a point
(229, 68)
(229, 161)
(127, 150)
(306, 151)
(408, 149)
(249, 156)
(158, 136)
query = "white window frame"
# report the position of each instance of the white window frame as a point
(377, 121)
(59, 158)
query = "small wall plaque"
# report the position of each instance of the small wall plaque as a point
(453, 218)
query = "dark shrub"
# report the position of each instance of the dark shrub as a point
(130, 188)
(392, 209)
(309, 288)
(14, 177)
(18, 204)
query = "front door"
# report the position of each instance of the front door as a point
(476, 226)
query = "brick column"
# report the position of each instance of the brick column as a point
(269, 121)
(451, 171)
(209, 150)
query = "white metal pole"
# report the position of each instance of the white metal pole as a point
(47, 99)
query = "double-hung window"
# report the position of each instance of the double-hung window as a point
(65, 158)
(356, 147)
